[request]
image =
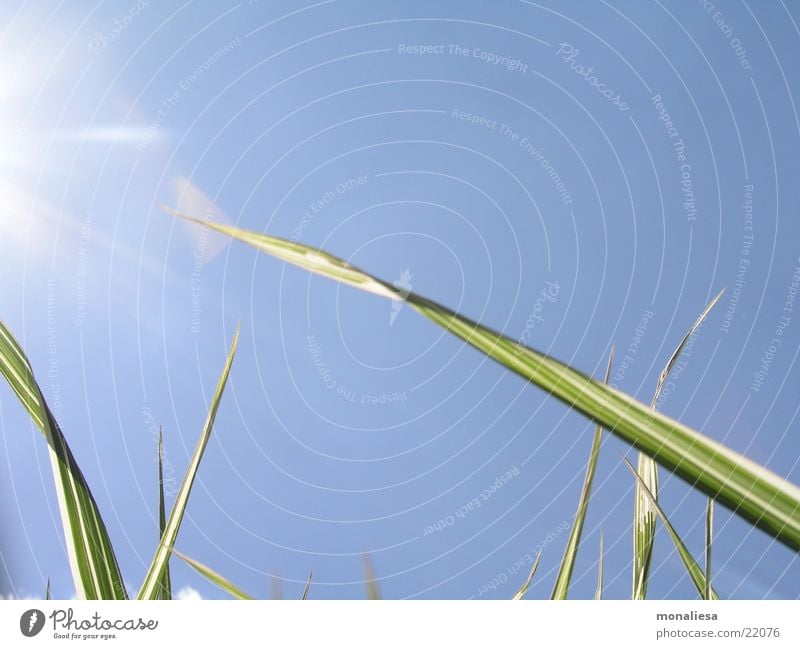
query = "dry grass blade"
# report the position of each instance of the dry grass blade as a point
(95, 571)
(561, 587)
(703, 588)
(308, 586)
(276, 587)
(369, 579)
(154, 575)
(524, 588)
(215, 578)
(748, 489)
(662, 378)
(644, 515)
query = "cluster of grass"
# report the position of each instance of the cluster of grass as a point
(748, 489)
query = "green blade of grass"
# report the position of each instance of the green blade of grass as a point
(92, 561)
(644, 515)
(165, 585)
(644, 525)
(214, 577)
(699, 579)
(48, 594)
(561, 587)
(524, 588)
(598, 593)
(709, 538)
(369, 579)
(748, 489)
(154, 575)
(308, 586)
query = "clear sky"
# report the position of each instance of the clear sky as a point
(573, 174)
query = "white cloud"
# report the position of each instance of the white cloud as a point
(187, 592)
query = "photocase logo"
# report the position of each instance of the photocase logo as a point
(404, 286)
(31, 622)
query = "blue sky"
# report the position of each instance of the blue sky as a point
(576, 174)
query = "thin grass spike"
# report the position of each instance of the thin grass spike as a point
(153, 578)
(644, 515)
(561, 587)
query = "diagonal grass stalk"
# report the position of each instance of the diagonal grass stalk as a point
(214, 577)
(308, 586)
(748, 489)
(644, 514)
(94, 567)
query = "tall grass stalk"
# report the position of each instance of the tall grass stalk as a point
(748, 489)
(598, 593)
(644, 513)
(92, 561)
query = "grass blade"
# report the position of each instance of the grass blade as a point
(644, 525)
(524, 588)
(308, 586)
(165, 585)
(154, 575)
(644, 515)
(215, 578)
(561, 587)
(369, 579)
(598, 593)
(662, 378)
(748, 489)
(699, 579)
(709, 538)
(48, 594)
(92, 561)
